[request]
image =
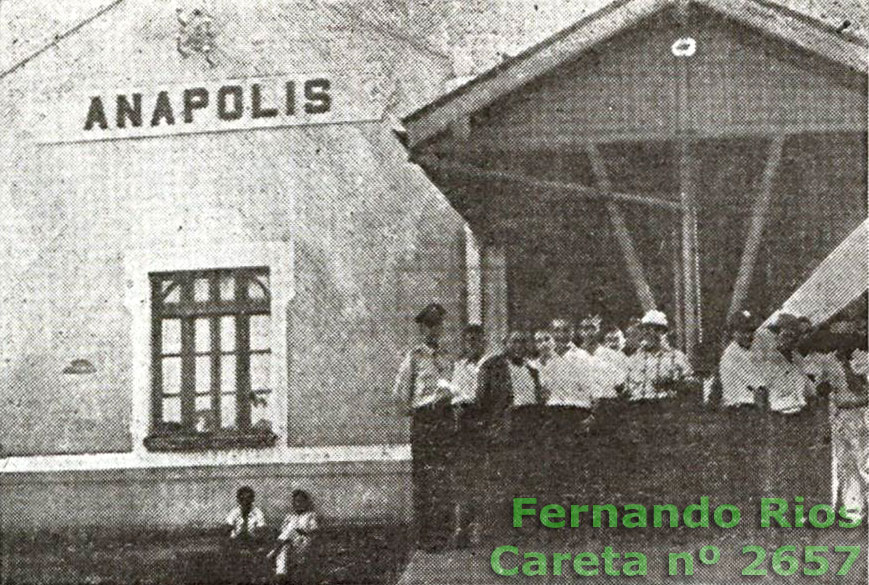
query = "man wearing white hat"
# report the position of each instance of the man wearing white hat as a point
(655, 364)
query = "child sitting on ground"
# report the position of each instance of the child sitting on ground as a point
(294, 560)
(241, 560)
(245, 522)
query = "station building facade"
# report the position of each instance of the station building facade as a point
(214, 241)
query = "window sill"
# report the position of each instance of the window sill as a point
(210, 441)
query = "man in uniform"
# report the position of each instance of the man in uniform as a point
(422, 390)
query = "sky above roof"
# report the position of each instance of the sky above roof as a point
(475, 34)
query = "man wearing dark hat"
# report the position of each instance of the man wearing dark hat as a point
(422, 390)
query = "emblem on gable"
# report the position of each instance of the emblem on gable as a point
(196, 34)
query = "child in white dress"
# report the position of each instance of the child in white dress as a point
(293, 555)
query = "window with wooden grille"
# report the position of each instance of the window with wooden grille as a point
(210, 359)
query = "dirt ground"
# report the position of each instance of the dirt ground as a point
(348, 555)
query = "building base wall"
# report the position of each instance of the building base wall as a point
(125, 501)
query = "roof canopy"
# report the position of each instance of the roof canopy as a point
(776, 22)
(836, 282)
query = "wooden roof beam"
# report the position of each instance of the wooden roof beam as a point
(558, 50)
(435, 118)
(519, 141)
(793, 28)
(623, 235)
(436, 165)
(758, 223)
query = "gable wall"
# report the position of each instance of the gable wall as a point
(373, 240)
(737, 82)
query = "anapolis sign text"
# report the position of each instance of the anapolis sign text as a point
(213, 107)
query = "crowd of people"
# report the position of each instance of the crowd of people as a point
(543, 389)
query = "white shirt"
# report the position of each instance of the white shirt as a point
(464, 382)
(306, 521)
(787, 382)
(255, 519)
(647, 367)
(423, 377)
(739, 370)
(565, 381)
(825, 367)
(860, 362)
(522, 383)
(574, 352)
(603, 371)
(612, 356)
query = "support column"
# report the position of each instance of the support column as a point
(688, 191)
(493, 261)
(678, 314)
(473, 269)
(690, 296)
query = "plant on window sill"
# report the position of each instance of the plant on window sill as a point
(180, 439)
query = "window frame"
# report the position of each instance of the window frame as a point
(188, 311)
(203, 255)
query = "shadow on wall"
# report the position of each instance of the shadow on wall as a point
(347, 338)
(334, 341)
